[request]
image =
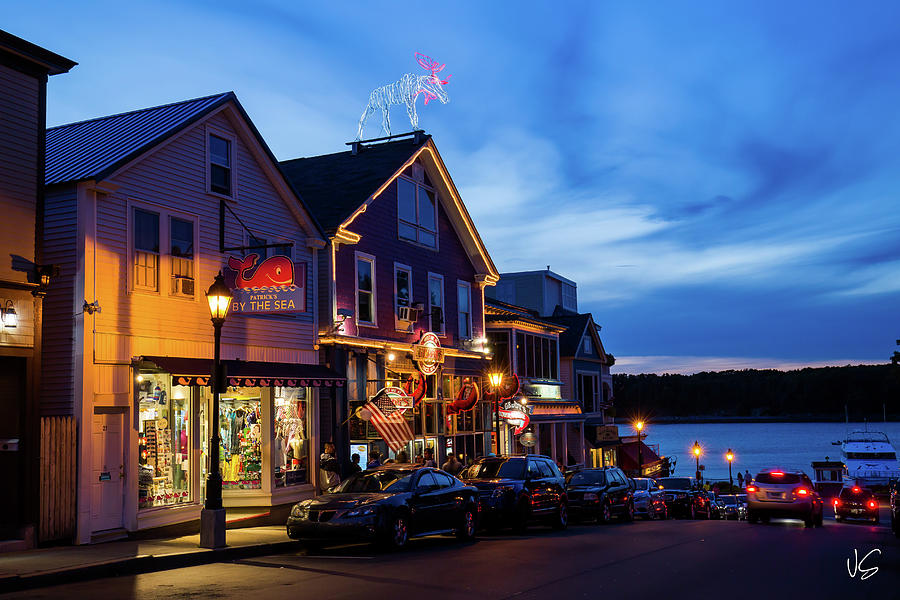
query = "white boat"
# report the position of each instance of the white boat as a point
(870, 459)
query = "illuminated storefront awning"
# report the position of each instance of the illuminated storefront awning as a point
(197, 371)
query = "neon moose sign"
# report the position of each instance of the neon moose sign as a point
(405, 91)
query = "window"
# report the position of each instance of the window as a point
(416, 210)
(464, 308)
(146, 250)
(588, 347)
(436, 302)
(588, 391)
(536, 356)
(365, 289)
(219, 165)
(498, 342)
(181, 244)
(402, 291)
(426, 481)
(534, 471)
(569, 297)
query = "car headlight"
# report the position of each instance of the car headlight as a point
(590, 496)
(362, 511)
(498, 493)
(299, 511)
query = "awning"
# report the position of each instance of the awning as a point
(198, 371)
(628, 456)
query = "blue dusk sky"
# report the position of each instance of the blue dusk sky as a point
(720, 179)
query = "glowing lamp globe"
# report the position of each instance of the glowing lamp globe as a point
(219, 297)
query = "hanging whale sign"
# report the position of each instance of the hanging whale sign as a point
(275, 285)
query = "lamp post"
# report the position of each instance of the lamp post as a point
(496, 379)
(212, 517)
(696, 449)
(729, 456)
(640, 427)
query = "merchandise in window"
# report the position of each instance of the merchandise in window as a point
(240, 429)
(146, 250)
(219, 165)
(291, 447)
(163, 441)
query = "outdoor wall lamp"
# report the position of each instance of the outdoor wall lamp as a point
(10, 318)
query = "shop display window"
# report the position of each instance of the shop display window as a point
(291, 439)
(240, 429)
(163, 441)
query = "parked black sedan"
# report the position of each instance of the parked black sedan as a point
(388, 504)
(518, 490)
(683, 497)
(600, 494)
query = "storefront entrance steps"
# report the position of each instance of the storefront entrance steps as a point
(67, 564)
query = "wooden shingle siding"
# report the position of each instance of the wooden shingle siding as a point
(20, 120)
(58, 367)
(173, 178)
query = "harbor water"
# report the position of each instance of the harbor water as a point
(755, 445)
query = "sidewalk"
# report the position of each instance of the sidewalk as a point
(54, 566)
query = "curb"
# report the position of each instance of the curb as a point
(140, 564)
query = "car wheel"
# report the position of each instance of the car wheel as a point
(810, 519)
(604, 515)
(876, 520)
(708, 513)
(398, 534)
(752, 517)
(523, 512)
(693, 514)
(665, 514)
(561, 521)
(628, 516)
(820, 518)
(466, 529)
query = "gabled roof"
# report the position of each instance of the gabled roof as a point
(576, 326)
(496, 311)
(51, 62)
(335, 185)
(94, 149)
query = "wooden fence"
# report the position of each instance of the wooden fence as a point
(59, 446)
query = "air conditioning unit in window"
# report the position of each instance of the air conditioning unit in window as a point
(403, 313)
(182, 286)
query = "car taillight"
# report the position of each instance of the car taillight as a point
(751, 488)
(837, 502)
(777, 473)
(802, 492)
(855, 489)
(873, 504)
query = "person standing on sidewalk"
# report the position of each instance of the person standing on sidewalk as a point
(740, 479)
(329, 469)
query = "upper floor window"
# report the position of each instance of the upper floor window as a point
(402, 291)
(464, 308)
(436, 302)
(219, 165)
(416, 209)
(588, 347)
(536, 356)
(146, 250)
(365, 289)
(569, 297)
(588, 391)
(181, 243)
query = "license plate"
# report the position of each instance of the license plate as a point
(776, 495)
(856, 511)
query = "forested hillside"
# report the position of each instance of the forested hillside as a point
(815, 392)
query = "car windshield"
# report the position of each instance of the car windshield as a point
(376, 481)
(729, 500)
(641, 485)
(778, 477)
(676, 483)
(588, 478)
(513, 468)
(849, 493)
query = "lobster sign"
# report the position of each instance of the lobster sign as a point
(275, 285)
(405, 91)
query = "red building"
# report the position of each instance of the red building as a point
(404, 259)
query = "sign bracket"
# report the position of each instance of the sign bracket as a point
(222, 248)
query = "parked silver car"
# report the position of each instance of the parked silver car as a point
(785, 494)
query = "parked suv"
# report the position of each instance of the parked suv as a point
(683, 497)
(600, 494)
(518, 490)
(786, 494)
(856, 502)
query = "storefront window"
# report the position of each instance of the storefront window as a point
(291, 448)
(163, 441)
(240, 428)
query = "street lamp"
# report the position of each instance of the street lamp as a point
(496, 379)
(212, 517)
(640, 427)
(729, 456)
(696, 450)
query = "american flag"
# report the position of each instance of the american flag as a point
(390, 422)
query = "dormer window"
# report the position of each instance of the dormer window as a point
(219, 165)
(416, 208)
(588, 349)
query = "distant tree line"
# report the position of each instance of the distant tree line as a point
(820, 393)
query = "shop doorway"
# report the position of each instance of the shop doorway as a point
(12, 403)
(107, 472)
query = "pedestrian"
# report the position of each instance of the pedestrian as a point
(740, 479)
(329, 475)
(354, 464)
(747, 477)
(402, 457)
(429, 458)
(420, 460)
(706, 487)
(452, 465)
(375, 461)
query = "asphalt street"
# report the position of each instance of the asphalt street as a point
(655, 559)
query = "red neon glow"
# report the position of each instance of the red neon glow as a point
(856, 489)
(429, 64)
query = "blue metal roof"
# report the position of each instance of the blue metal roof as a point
(93, 149)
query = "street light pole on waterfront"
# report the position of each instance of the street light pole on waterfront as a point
(729, 456)
(696, 449)
(212, 517)
(640, 427)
